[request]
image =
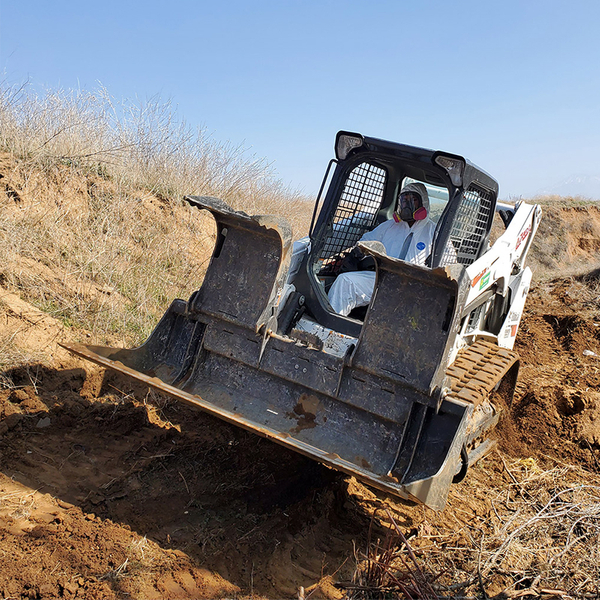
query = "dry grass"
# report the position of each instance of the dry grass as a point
(549, 535)
(537, 536)
(17, 504)
(542, 533)
(92, 225)
(564, 201)
(141, 144)
(587, 290)
(101, 259)
(568, 238)
(12, 355)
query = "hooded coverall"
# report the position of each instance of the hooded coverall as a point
(354, 289)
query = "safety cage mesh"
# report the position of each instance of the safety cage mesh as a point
(470, 223)
(355, 214)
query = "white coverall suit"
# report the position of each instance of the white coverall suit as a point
(355, 288)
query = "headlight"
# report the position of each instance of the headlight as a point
(346, 142)
(454, 166)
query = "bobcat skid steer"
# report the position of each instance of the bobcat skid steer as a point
(400, 396)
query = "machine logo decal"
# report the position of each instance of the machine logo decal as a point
(522, 237)
(478, 277)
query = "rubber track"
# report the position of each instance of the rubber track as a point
(477, 369)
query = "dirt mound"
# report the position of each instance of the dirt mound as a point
(556, 410)
(196, 491)
(568, 239)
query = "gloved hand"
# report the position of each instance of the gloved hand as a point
(356, 260)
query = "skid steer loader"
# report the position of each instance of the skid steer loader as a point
(402, 396)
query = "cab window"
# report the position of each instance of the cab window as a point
(355, 214)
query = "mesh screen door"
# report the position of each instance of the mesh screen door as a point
(355, 214)
(471, 222)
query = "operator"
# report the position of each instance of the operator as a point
(407, 236)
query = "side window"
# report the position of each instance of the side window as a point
(355, 214)
(470, 223)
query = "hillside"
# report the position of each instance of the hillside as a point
(108, 490)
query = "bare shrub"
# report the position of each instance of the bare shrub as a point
(92, 222)
(390, 568)
(143, 145)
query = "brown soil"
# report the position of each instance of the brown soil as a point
(556, 411)
(108, 491)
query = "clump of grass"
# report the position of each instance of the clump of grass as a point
(541, 537)
(390, 569)
(92, 223)
(11, 355)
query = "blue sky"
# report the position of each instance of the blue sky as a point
(513, 86)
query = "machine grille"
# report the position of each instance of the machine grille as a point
(355, 214)
(470, 224)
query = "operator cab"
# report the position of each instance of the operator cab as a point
(362, 187)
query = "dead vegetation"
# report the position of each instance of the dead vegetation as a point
(541, 538)
(389, 568)
(536, 534)
(140, 145)
(548, 532)
(93, 229)
(568, 239)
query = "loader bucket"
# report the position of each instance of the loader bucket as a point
(379, 413)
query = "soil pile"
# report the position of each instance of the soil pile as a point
(556, 410)
(151, 500)
(568, 239)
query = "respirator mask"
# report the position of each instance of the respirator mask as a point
(410, 208)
